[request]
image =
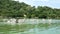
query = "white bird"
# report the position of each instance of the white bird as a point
(43, 21)
(50, 21)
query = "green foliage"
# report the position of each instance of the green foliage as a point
(11, 8)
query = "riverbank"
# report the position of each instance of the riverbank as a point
(28, 21)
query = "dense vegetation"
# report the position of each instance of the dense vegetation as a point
(11, 8)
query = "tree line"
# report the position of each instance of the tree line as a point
(14, 9)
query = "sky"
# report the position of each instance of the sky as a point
(49, 3)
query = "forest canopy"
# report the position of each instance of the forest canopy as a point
(14, 9)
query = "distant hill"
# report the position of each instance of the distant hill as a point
(13, 9)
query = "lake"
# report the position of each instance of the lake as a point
(35, 26)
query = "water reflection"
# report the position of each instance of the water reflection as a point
(40, 28)
(54, 30)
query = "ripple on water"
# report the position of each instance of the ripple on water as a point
(55, 30)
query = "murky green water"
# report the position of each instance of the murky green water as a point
(30, 30)
(53, 28)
